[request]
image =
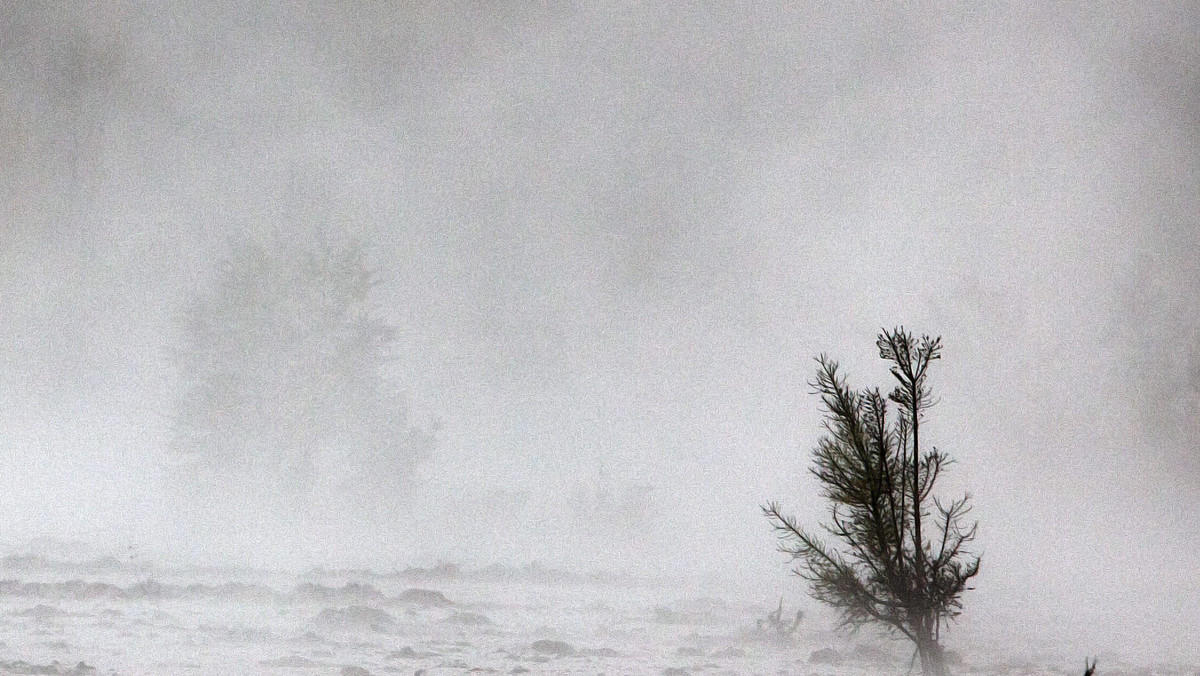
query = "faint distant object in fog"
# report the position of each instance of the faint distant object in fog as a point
(903, 563)
(782, 627)
(283, 381)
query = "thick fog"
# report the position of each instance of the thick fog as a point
(610, 239)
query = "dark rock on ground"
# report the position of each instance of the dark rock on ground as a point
(354, 592)
(355, 618)
(867, 652)
(469, 619)
(824, 656)
(41, 612)
(424, 597)
(52, 669)
(552, 647)
(407, 653)
(291, 662)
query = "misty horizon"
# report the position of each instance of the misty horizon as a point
(610, 241)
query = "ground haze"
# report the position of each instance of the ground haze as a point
(609, 240)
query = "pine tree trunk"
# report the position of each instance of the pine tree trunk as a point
(933, 661)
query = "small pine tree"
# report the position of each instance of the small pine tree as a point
(903, 562)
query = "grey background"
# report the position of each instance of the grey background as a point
(613, 236)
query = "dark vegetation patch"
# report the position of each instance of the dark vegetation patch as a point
(599, 652)
(356, 618)
(79, 590)
(291, 662)
(424, 597)
(469, 620)
(551, 647)
(351, 592)
(52, 669)
(42, 612)
(825, 656)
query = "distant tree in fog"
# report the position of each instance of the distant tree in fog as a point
(902, 561)
(283, 377)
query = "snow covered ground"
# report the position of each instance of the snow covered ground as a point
(107, 618)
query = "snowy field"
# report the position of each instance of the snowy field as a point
(108, 618)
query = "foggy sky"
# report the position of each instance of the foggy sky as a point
(614, 236)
